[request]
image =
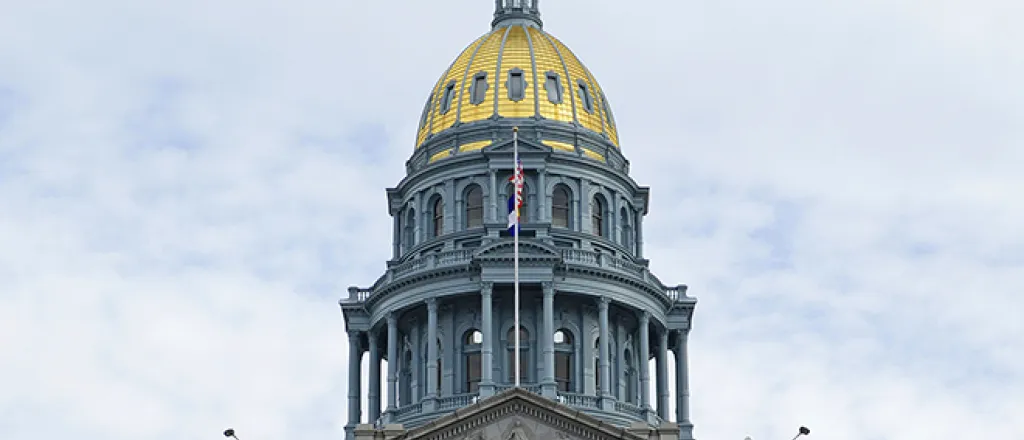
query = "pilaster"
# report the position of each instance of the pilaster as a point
(662, 372)
(431, 392)
(392, 361)
(645, 358)
(547, 337)
(607, 402)
(373, 393)
(487, 348)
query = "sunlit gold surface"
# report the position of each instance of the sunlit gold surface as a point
(513, 47)
(593, 155)
(561, 146)
(434, 99)
(473, 146)
(441, 155)
(516, 54)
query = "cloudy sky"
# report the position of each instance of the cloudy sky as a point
(187, 187)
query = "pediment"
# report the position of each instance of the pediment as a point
(525, 146)
(518, 415)
(527, 249)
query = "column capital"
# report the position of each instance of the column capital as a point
(602, 303)
(486, 287)
(353, 335)
(392, 319)
(431, 303)
(549, 287)
(645, 317)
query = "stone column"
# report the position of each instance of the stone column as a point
(543, 212)
(603, 363)
(492, 213)
(392, 362)
(662, 373)
(584, 207)
(640, 234)
(683, 386)
(487, 348)
(644, 357)
(396, 236)
(418, 221)
(354, 377)
(431, 360)
(547, 336)
(373, 394)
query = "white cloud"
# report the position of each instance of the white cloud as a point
(183, 185)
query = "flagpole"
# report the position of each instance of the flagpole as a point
(515, 235)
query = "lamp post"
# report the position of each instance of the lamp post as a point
(802, 431)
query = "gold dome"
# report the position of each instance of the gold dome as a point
(538, 77)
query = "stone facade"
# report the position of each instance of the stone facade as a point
(518, 415)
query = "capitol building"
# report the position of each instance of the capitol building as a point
(594, 321)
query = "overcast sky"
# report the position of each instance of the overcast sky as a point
(187, 187)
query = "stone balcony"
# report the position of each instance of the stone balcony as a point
(604, 408)
(572, 259)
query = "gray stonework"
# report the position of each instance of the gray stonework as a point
(583, 275)
(517, 415)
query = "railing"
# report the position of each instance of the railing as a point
(571, 256)
(457, 401)
(629, 408)
(579, 400)
(676, 293)
(535, 389)
(414, 408)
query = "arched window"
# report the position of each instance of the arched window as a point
(560, 206)
(474, 371)
(437, 223)
(410, 229)
(509, 191)
(524, 358)
(563, 360)
(474, 207)
(597, 207)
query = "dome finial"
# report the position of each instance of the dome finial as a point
(516, 12)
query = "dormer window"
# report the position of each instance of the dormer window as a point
(448, 97)
(478, 91)
(585, 99)
(516, 84)
(553, 87)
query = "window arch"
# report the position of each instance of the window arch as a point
(471, 353)
(560, 200)
(524, 358)
(437, 217)
(564, 360)
(474, 207)
(597, 215)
